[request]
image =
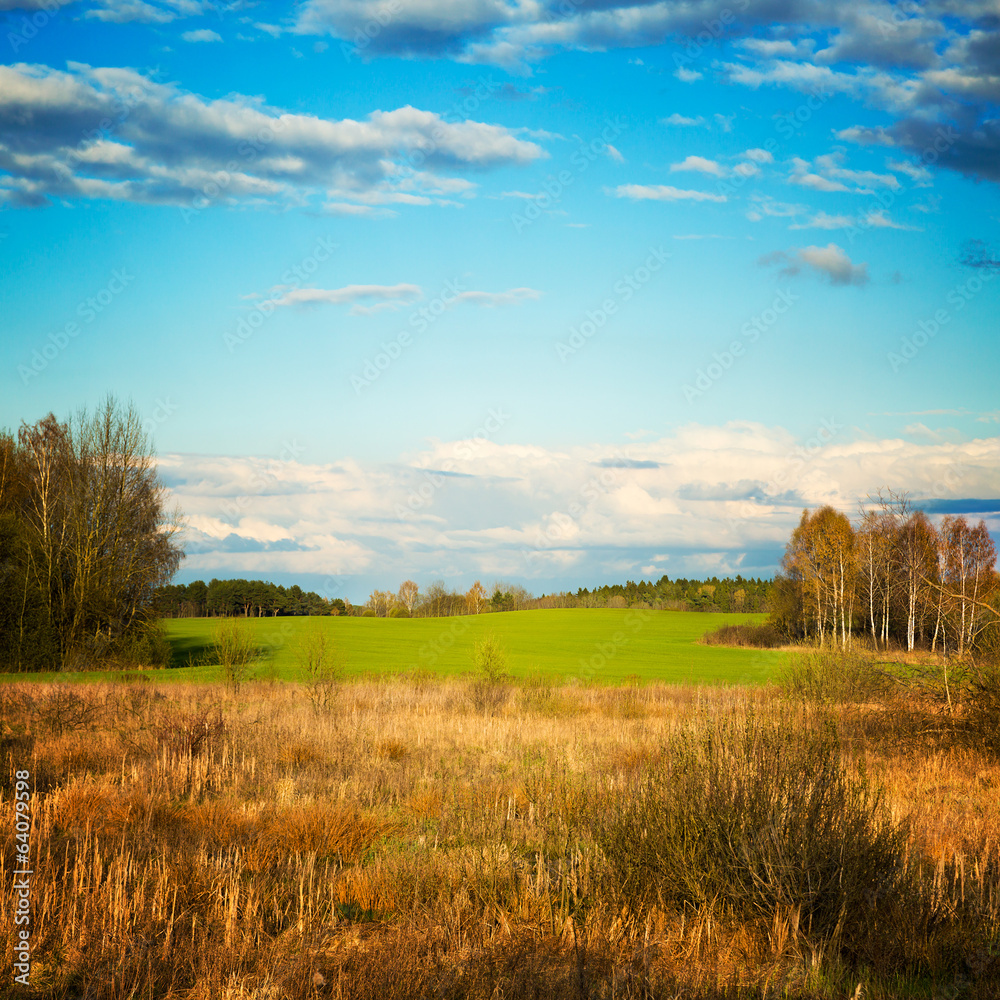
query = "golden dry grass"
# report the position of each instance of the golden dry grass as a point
(421, 839)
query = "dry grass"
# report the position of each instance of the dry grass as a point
(417, 839)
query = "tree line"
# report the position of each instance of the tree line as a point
(243, 598)
(729, 594)
(893, 576)
(85, 539)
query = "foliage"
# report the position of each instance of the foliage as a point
(242, 598)
(85, 539)
(895, 576)
(490, 658)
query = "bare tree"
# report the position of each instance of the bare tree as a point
(97, 536)
(408, 593)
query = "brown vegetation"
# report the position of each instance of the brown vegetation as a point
(403, 838)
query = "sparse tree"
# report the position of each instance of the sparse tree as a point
(475, 599)
(95, 538)
(408, 594)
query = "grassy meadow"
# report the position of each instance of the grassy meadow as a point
(421, 836)
(592, 645)
(597, 645)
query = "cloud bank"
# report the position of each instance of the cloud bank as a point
(717, 499)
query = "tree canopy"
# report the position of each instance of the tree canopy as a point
(85, 539)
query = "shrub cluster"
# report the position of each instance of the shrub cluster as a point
(761, 636)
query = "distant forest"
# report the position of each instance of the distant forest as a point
(258, 598)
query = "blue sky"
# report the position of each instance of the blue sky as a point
(557, 292)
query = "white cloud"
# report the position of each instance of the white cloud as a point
(823, 221)
(701, 496)
(201, 35)
(682, 121)
(490, 300)
(920, 175)
(171, 147)
(384, 295)
(834, 264)
(663, 192)
(699, 164)
(865, 135)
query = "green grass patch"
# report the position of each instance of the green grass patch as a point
(588, 645)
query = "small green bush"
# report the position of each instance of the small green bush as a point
(489, 689)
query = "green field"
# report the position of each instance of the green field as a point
(603, 646)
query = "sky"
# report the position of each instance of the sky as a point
(558, 292)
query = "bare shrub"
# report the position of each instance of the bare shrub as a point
(761, 636)
(753, 821)
(236, 650)
(837, 676)
(322, 667)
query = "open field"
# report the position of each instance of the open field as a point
(593, 645)
(411, 837)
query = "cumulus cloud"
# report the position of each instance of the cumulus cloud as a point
(164, 145)
(830, 262)
(729, 495)
(699, 164)
(201, 35)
